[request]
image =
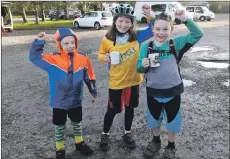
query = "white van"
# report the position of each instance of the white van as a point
(200, 12)
(157, 8)
(6, 17)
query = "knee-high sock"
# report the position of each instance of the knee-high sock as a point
(59, 137)
(129, 113)
(77, 131)
(108, 120)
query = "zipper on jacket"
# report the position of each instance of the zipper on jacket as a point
(70, 70)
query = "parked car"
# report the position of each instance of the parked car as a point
(200, 12)
(96, 19)
(74, 14)
(53, 15)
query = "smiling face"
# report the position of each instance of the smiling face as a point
(161, 30)
(68, 43)
(123, 24)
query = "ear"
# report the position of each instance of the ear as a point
(172, 28)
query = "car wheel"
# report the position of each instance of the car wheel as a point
(97, 26)
(9, 30)
(76, 25)
(143, 20)
(202, 18)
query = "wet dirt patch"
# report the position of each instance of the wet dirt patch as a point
(205, 48)
(226, 83)
(188, 83)
(214, 64)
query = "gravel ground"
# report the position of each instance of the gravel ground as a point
(27, 129)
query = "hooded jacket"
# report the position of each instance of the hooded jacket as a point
(66, 70)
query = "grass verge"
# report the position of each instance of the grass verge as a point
(54, 24)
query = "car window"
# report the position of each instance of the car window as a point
(190, 9)
(86, 15)
(5, 13)
(94, 14)
(159, 8)
(106, 14)
(199, 10)
(171, 7)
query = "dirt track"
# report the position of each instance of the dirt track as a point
(27, 129)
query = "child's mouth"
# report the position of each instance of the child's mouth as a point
(123, 29)
(161, 37)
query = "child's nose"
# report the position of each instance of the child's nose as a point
(161, 31)
(123, 24)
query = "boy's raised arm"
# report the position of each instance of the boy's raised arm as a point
(187, 41)
(37, 55)
(145, 34)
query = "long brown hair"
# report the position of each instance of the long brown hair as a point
(111, 34)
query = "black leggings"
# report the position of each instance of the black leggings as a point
(110, 114)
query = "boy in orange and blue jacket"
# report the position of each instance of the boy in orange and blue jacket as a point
(67, 70)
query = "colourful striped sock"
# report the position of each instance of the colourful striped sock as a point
(59, 137)
(77, 131)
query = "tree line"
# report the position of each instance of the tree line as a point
(43, 8)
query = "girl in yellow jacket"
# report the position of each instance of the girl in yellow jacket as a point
(120, 49)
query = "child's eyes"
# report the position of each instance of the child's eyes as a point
(121, 21)
(162, 29)
(68, 43)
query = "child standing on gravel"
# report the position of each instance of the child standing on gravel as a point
(121, 42)
(67, 70)
(158, 60)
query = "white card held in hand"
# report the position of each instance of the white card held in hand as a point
(154, 60)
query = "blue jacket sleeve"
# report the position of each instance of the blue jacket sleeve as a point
(143, 35)
(37, 57)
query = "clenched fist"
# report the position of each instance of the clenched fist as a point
(181, 14)
(146, 9)
(41, 36)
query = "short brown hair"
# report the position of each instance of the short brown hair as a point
(162, 16)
